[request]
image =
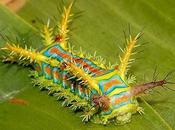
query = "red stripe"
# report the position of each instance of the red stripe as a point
(87, 66)
(111, 83)
(47, 70)
(77, 60)
(55, 50)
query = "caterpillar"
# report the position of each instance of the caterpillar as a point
(105, 94)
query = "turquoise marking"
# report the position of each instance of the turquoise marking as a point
(64, 82)
(55, 80)
(72, 88)
(81, 94)
(86, 94)
(113, 87)
(38, 66)
(118, 95)
(122, 104)
(107, 72)
(114, 97)
(106, 113)
(44, 72)
(90, 64)
(59, 58)
(92, 92)
(114, 106)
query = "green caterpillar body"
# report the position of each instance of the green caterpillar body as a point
(104, 94)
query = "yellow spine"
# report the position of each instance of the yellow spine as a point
(63, 26)
(47, 34)
(125, 59)
(79, 72)
(28, 54)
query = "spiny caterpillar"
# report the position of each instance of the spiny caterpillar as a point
(83, 82)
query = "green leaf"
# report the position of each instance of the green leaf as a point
(100, 29)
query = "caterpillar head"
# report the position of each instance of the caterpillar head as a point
(114, 98)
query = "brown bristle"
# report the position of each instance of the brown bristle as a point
(101, 101)
(144, 87)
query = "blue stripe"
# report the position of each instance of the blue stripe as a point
(60, 58)
(58, 81)
(72, 88)
(119, 95)
(64, 82)
(114, 97)
(122, 104)
(107, 72)
(107, 113)
(37, 65)
(92, 92)
(46, 53)
(45, 73)
(103, 82)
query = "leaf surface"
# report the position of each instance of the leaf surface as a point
(98, 29)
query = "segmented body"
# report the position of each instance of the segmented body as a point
(110, 83)
(81, 81)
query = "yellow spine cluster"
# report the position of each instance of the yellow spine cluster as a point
(28, 54)
(79, 72)
(125, 60)
(63, 26)
(47, 34)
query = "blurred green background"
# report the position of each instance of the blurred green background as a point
(100, 28)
